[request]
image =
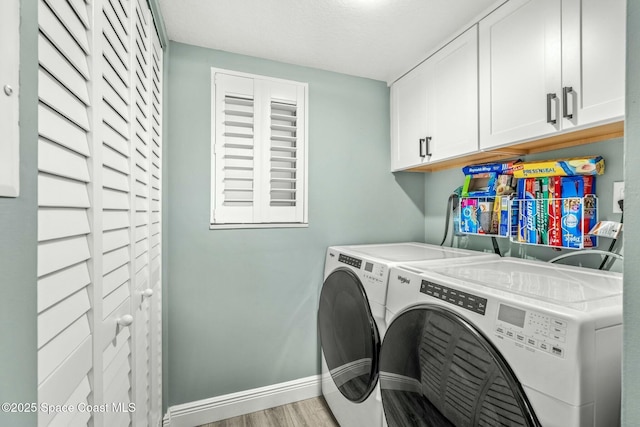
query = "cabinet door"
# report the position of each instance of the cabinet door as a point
(593, 61)
(452, 98)
(520, 64)
(408, 119)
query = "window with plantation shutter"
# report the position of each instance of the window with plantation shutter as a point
(259, 141)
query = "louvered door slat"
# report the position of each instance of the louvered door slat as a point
(60, 385)
(56, 128)
(57, 287)
(75, 419)
(115, 259)
(53, 29)
(57, 318)
(61, 223)
(59, 161)
(56, 96)
(51, 60)
(67, 16)
(54, 353)
(59, 254)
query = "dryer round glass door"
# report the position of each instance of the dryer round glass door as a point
(437, 369)
(348, 335)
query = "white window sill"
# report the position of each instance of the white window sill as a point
(272, 225)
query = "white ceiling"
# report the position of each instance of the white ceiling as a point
(378, 39)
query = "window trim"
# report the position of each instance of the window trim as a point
(304, 161)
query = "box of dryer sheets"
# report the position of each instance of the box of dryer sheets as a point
(560, 167)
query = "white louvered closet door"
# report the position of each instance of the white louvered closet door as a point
(99, 212)
(64, 184)
(113, 213)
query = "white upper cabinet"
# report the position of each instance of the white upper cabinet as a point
(548, 66)
(409, 119)
(452, 98)
(520, 57)
(434, 108)
(593, 61)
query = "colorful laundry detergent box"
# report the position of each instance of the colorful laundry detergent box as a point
(572, 194)
(561, 167)
(469, 216)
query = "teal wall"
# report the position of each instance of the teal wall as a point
(18, 223)
(439, 186)
(242, 303)
(631, 355)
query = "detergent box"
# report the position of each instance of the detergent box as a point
(561, 167)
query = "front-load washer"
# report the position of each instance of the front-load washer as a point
(504, 342)
(351, 321)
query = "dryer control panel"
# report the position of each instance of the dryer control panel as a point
(532, 329)
(371, 272)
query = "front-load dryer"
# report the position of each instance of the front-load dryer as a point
(351, 321)
(504, 342)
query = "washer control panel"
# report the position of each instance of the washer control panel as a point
(349, 260)
(534, 330)
(453, 296)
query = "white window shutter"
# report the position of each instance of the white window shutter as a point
(283, 152)
(234, 169)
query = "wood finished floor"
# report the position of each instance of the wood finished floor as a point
(306, 413)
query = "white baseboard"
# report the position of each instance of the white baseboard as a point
(244, 402)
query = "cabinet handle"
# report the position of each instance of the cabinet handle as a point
(424, 147)
(550, 98)
(429, 146)
(565, 95)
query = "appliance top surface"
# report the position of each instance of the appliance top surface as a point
(559, 284)
(407, 252)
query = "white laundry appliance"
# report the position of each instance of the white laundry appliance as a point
(351, 322)
(502, 342)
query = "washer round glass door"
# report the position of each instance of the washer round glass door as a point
(436, 370)
(348, 335)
